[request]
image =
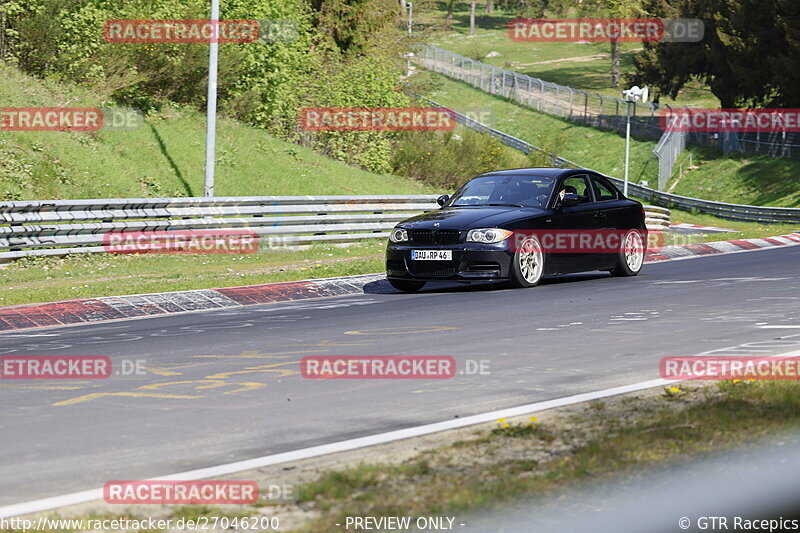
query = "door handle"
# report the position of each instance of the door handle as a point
(600, 215)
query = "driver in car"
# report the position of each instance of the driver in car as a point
(568, 189)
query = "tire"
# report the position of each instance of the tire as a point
(406, 285)
(527, 265)
(631, 255)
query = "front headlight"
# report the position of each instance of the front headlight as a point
(398, 235)
(488, 235)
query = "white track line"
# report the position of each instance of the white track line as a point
(336, 447)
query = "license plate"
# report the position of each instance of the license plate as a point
(431, 255)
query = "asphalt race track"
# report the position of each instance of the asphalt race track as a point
(223, 386)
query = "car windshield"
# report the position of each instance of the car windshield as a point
(520, 191)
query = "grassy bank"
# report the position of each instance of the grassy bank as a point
(752, 179)
(533, 459)
(163, 157)
(32, 280)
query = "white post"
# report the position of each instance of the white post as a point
(211, 111)
(408, 61)
(627, 147)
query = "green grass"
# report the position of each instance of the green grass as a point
(32, 280)
(754, 179)
(736, 178)
(585, 66)
(532, 461)
(587, 146)
(164, 157)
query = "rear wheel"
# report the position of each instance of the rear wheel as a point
(631, 255)
(527, 266)
(406, 285)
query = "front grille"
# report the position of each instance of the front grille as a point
(430, 268)
(426, 237)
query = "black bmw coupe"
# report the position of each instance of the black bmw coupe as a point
(519, 225)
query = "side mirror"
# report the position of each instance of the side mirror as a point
(443, 199)
(570, 200)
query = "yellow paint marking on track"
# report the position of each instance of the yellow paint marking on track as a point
(245, 386)
(260, 369)
(154, 386)
(403, 330)
(94, 396)
(159, 372)
(209, 384)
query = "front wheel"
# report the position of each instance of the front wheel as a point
(527, 265)
(631, 255)
(406, 285)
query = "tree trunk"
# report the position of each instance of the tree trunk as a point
(615, 54)
(403, 6)
(472, 18)
(448, 21)
(489, 6)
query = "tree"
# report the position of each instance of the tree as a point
(472, 18)
(616, 9)
(448, 21)
(353, 25)
(749, 55)
(489, 6)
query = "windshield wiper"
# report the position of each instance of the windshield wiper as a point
(505, 205)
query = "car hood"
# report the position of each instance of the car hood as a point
(462, 218)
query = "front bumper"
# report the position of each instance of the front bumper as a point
(471, 262)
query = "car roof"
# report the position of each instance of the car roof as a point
(535, 171)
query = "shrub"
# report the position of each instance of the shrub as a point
(448, 159)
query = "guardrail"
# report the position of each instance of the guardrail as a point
(656, 218)
(80, 226)
(61, 227)
(745, 213)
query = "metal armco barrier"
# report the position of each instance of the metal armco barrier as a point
(745, 213)
(61, 227)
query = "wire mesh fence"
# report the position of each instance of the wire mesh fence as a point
(593, 109)
(669, 147)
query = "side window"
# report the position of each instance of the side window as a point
(602, 190)
(578, 185)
